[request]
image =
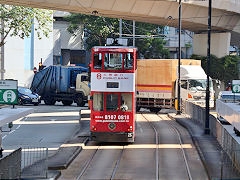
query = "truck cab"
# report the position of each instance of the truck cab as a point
(194, 84)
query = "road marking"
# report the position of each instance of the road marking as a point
(11, 132)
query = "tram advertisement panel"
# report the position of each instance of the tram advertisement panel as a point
(112, 82)
(114, 122)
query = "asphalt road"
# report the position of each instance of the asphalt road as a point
(48, 127)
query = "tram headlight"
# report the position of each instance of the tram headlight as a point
(130, 128)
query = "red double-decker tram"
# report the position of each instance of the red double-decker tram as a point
(113, 93)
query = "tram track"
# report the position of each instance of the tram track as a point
(90, 161)
(157, 149)
(172, 125)
(163, 149)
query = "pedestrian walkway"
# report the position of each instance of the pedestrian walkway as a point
(9, 114)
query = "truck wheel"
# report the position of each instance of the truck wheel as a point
(138, 109)
(49, 101)
(79, 100)
(155, 109)
(67, 102)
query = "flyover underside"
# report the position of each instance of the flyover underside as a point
(157, 12)
(225, 13)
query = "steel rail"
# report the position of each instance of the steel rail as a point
(181, 145)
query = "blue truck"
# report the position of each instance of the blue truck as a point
(67, 84)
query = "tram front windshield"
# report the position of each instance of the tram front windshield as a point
(113, 61)
(113, 101)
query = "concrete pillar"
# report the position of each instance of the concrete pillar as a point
(220, 43)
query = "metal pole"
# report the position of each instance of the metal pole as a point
(120, 28)
(207, 130)
(133, 33)
(2, 52)
(179, 54)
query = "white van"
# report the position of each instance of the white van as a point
(229, 96)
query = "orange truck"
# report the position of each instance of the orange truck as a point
(157, 83)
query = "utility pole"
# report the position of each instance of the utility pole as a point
(179, 54)
(207, 130)
(2, 52)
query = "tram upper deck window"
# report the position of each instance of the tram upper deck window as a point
(113, 61)
(128, 61)
(97, 63)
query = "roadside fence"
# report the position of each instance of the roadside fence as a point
(34, 162)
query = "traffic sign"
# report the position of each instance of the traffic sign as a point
(236, 86)
(8, 92)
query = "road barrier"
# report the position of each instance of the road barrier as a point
(230, 147)
(10, 165)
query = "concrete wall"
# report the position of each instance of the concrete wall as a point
(220, 43)
(22, 55)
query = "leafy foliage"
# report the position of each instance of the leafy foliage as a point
(225, 69)
(18, 21)
(97, 29)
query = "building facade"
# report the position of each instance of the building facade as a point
(22, 55)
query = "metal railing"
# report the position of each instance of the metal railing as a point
(34, 162)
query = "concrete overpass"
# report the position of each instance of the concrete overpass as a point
(225, 14)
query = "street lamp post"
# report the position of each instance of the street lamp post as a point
(179, 53)
(207, 130)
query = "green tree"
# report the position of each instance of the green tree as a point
(97, 29)
(18, 21)
(225, 69)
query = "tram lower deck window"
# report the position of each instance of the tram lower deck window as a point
(112, 102)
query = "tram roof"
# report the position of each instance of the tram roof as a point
(115, 48)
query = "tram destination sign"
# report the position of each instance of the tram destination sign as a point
(236, 86)
(8, 92)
